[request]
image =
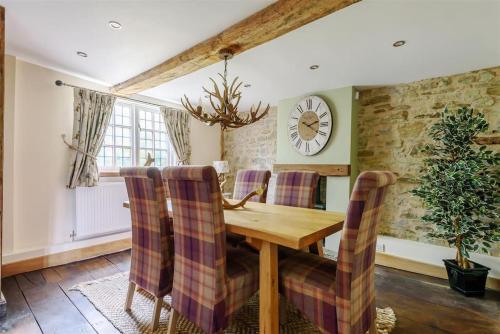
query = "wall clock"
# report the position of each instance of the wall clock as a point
(310, 125)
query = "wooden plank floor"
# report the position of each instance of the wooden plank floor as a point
(40, 301)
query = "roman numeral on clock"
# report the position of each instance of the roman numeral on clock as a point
(322, 115)
(309, 104)
(317, 107)
(321, 124)
(293, 127)
(298, 144)
(307, 147)
(294, 135)
(322, 133)
(299, 108)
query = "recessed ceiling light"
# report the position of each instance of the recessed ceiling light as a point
(115, 25)
(397, 44)
(313, 67)
(247, 85)
(82, 54)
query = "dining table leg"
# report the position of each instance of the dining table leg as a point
(268, 289)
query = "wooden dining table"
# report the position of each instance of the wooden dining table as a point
(268, 226)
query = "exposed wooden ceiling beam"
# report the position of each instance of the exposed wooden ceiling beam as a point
(269, 23)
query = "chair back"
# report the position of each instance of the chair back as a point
(249, 180)
(296, 188)
(151, 265)
(199, 289)
(355, 293)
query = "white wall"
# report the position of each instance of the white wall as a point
(39, 209)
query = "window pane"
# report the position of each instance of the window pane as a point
(108, 139)
(117, 146)
(142, 157)
(126, 121)
(120, 146)
(118, 120)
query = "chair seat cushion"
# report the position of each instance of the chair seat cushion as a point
(243, 277)
(308, 281)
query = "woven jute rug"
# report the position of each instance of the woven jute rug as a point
(108, 296)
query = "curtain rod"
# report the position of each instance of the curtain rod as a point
(61, 83)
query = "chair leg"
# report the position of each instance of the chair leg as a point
(172, 324)
(316, 248)
(373, 328)
(319, 244)
(156, 313)
(130, 296)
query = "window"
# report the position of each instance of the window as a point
(134, 131)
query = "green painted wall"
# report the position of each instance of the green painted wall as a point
(341, 148)
(338, 150)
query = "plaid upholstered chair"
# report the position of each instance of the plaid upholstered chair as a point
(339, 297)
(248, 180)
(211, 281)
(298, 188)
(151, 266)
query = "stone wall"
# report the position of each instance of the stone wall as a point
(392, 127)
(252, 146)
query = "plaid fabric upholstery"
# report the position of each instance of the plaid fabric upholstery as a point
(151, 266)
(251, 180)
(296, 189)
(207, 288)
(340, 297)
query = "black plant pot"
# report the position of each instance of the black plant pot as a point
(470, 282)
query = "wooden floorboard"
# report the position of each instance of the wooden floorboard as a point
(52, 309)
(121, 260)
(423, 305)
(71, 275)
(19, 319)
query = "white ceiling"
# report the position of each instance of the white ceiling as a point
(49, 32)
(352, 47)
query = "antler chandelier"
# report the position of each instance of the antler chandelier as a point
(224, 102)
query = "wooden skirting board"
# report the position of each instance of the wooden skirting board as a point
(393, 261)
(65, 257)
(322, 169)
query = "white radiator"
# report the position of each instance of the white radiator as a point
(100, 211)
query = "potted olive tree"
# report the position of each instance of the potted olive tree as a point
(459, 186)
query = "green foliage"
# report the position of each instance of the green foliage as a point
(460, 184)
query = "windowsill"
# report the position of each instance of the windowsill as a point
(109, 173)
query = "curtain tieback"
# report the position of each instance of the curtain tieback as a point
(74, 148)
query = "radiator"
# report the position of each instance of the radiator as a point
(100, 211)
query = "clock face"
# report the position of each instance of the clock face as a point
(310, 125)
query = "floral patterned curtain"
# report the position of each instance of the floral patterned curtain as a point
(177, 123)
(92, 113)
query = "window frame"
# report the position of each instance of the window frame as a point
(135, 138)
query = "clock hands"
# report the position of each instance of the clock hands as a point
(310, 125)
